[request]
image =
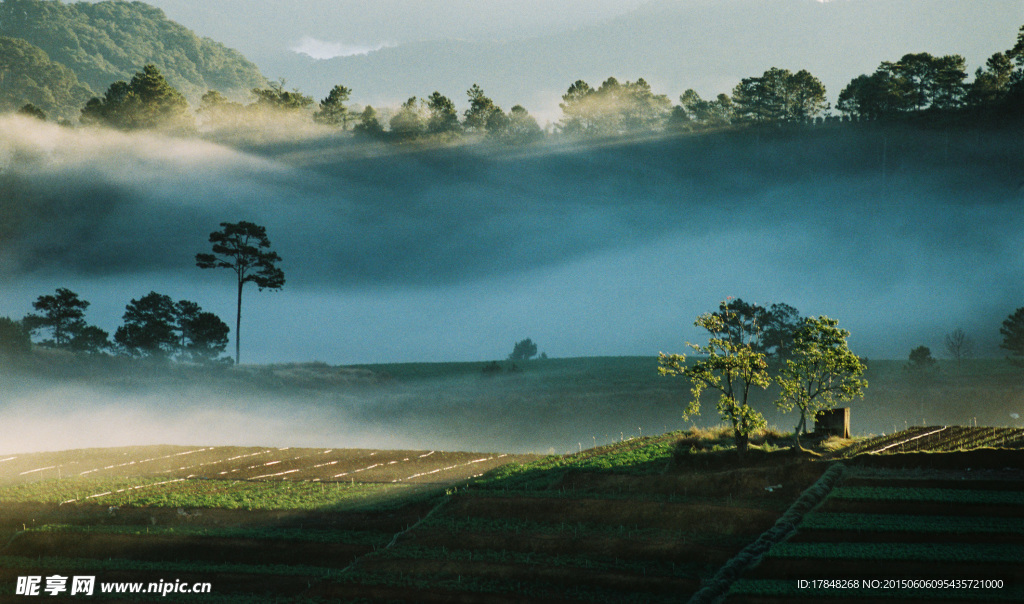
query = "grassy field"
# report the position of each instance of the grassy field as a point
(672, 517)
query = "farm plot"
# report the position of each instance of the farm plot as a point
(901, 535)
(253, 463)
(939, 439)
(249, 520)
(599, 526)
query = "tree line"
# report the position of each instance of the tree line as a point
(917, 85)
(154, 326)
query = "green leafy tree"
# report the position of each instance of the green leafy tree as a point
(244, 248)
(874, 96)
(1013, 337)
(820, 372)
(778, 95)
(442, 117)
(146, 102)
(202, 336)
(579, 109)
(730, 364)
(62, 315)
(148, 329)
(613, 108)
(410, 121)
(516, 128)
(780, 323)
(694, 113)
(275, 98)
(333, 110)
(368, 125)
(916, 82)
(992, 82)
(481, 110)
(219, 111)
(523, 350)
(90, 339)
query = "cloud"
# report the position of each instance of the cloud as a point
(322, 50)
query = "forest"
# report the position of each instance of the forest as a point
(155, 74)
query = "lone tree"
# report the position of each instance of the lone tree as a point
(244, 248)
(820, 372)
(958, 345)
(921, 359)
(732, 366)
(524, 350)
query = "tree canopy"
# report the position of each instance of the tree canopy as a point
(820, 372)
(730, 364)
(146, 102)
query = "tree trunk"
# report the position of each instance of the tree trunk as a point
(238, 325)
(742, 440)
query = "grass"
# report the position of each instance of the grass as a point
(967, 496)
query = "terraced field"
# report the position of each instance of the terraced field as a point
(656, 519)
(922, 526)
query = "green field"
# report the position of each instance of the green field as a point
(661, 518)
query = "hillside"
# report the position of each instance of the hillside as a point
(110, 41)
(28, 75)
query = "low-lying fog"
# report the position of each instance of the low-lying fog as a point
(456, 254)
(404, 254)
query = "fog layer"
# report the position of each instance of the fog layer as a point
(454, 254)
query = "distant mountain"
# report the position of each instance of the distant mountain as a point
(708, 45)
(28, 76)
(109, 41)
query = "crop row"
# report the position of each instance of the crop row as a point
(930, 495)
(479, 524)
(874, 444)
(250, 463)
(582, 561)
(911, 523)
(930, 552)
(268, 533)
(161, 492)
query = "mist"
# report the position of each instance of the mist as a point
(441, 254)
